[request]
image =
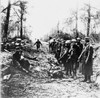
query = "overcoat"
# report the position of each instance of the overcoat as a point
(87, 68)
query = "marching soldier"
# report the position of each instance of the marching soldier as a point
(54, 43)
(74, 53)
(20, 59)
(58, 50)
(64, 57)
(86, 56)
(80, 45)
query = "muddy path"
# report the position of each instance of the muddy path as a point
(21, 85)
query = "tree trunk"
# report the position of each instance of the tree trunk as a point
(21, 29)
(88, 23)
(7, 21)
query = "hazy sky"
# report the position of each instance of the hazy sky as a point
(43, 15)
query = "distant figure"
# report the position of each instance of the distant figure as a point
(38, 43)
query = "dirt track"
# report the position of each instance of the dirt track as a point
(21, 85)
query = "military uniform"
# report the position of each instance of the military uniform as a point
(58, 50)
(38, 43)
(87, 66)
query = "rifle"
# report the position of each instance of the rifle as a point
(84, 50)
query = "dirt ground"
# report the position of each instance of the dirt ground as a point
(40, 85)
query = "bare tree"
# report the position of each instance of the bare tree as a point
(20, 12)
(6, 24)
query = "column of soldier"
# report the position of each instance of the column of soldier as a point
(75, 54)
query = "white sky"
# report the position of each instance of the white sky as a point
(43, 15)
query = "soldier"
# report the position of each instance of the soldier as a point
(64, 57)
(58, 50)
(12, 46)
(82, 58)
(80, 45)
(87, 68)
(38, 43)
(74, 53)
(19, 59)
(2, 46)
(54, 45)
(8, 46)
(50, 44)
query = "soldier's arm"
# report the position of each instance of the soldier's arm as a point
(90, 53)
(81, 54)
(87, 56)
(63, 55)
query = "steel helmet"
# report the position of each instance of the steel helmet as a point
(67, 42)
(73, 40)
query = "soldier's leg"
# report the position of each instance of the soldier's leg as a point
(74, 69)
(85, 78)
(89, 79)
(71, 68)
(76, 65)
(67, 69)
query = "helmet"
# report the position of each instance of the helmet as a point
(78, 39)
(73, 40)
(67, 42)
(17, 44)
(18, 39)
(22, 57)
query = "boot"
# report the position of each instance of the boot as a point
(85, 79)
(89, 79)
